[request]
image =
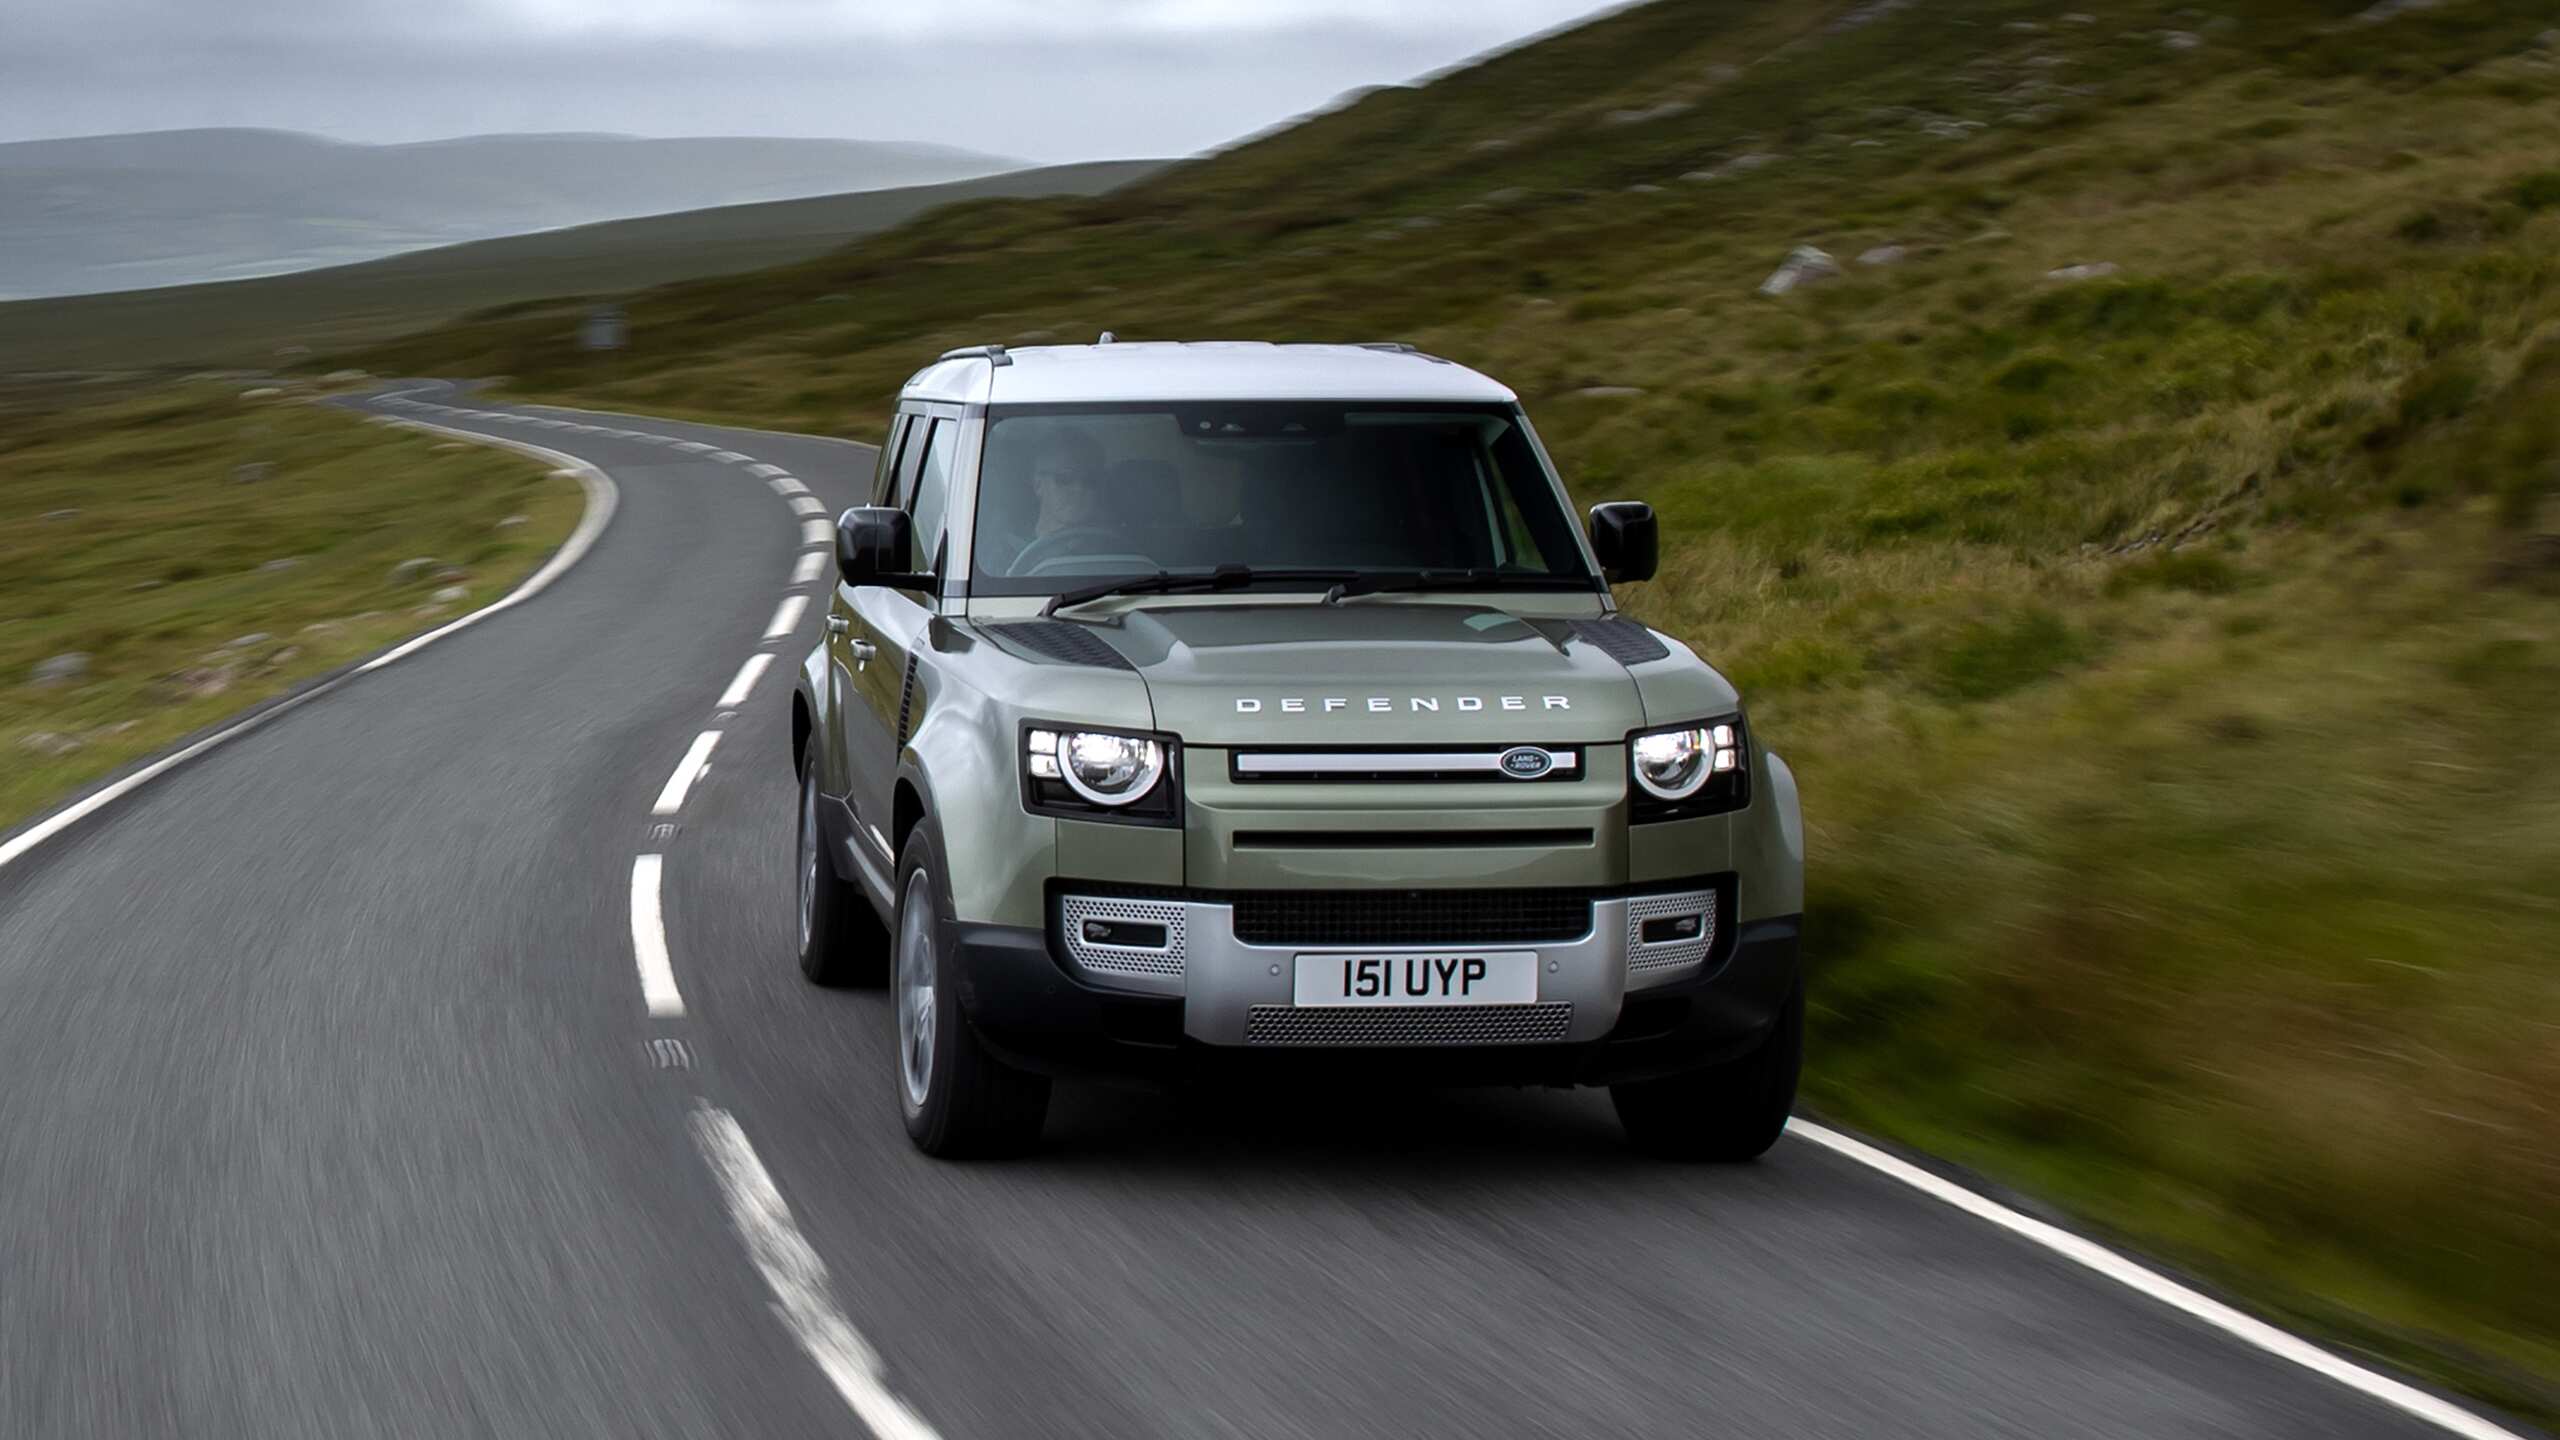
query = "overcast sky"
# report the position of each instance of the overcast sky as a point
(1040, 79)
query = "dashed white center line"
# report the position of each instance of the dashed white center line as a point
(745, 685)
(808, 505)
(695, 447)
(811, 562)
(649, 939)
(784, 485)
(817, 532)
(785, 616)
(798, 1278)
(728, 457)
(688, 770)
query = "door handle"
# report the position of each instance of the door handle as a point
(862, 650)
(836, 625)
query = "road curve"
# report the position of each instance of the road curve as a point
(335, 1101)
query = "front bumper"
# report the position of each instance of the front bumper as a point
(1231, 1007)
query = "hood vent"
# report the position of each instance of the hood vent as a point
(1621, 640)
(1061, 640)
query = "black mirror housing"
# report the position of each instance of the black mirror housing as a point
(1627, 539)
(875, 545)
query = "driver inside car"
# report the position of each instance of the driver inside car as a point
(1061, 494)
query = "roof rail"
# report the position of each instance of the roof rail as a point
(1400, 347)
(992, 354)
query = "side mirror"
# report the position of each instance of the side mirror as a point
(1626, 538)
(875, 545)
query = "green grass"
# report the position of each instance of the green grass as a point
(158, 573)
(259, 322)
(2171, 659)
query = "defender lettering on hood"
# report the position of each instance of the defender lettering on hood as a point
(1419, 704)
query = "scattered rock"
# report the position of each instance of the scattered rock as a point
(1745, 164)
(512, 521)
(2548, 39)
(2181, 39)
(262, 392)
(1419, 222)
(281, 658)
(1505, 195)
(322, 627)
(1490, 147)
(45, 742)
(453, 445)
(245, 642)
(449, 595)
(1663, 111)
(1865, 144)
(59, 669)
(2099, 271)
(2024, 27)
(1805, 265)
(106, 732)
(2382, 10)
(1644, 189)
(202, 683)
(1882, 255)
(278, 566)
(1605, 392)
(1988, 237)
(411, 569)
(152, 584)
(251, 473)
(451, 573)
(2077, 18)
(368, 615)
(60, 515)
(345, 377)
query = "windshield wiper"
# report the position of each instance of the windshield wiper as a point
(1225, 577)
(1469, 579)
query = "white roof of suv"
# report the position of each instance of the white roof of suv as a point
(1185, 370)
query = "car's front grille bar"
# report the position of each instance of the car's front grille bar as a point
(1515, 763)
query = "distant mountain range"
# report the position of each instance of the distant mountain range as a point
(173, 207)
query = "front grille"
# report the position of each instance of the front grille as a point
(1410, 917)
(1544, 1022)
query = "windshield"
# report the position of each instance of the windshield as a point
(1068, 496)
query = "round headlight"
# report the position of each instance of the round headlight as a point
(1110, 769)
(1672, 764)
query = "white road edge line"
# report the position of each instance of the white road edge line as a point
(798, 1278)
(649, 939)
(745, 685)
(811, 562)
(601, 499)
(2256, 1333)
(697, 756)
(786, 615)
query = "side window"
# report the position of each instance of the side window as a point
(888, 458)
(932, 494)
(910, 459)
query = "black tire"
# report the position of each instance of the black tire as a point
(1733, 1111)
(842, 943)
(958, 1099)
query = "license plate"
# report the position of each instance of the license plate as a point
(1449, 977)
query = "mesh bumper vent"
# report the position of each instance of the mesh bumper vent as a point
(1643, 959)
(1166, 963)
(1409, 1025)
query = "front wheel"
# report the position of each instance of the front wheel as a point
(958, 1098)
(1732, 1111)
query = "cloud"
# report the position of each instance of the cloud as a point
(1041, 79)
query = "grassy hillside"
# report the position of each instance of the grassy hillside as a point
(197, 550)
(2170, 648)
(246, 322)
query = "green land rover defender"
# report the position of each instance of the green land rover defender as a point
(1197, 707)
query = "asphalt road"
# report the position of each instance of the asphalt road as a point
(328, 1107)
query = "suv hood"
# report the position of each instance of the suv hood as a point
(1377, 673)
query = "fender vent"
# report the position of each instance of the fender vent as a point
(1624, 641)
(1064, 641)
(906, 700)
